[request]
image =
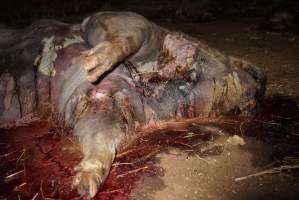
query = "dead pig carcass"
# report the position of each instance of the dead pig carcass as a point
(125, 72)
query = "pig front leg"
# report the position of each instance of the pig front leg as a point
(113, 37)
(104, 56)
(99, 137)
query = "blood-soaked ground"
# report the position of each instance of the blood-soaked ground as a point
(37, 161)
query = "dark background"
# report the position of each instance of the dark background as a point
(22, 12)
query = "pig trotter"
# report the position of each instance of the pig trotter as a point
(99, 140)
(112, 45)
(91, 173)
(89, 177)
(96, 64)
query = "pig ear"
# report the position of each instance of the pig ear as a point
(84, 23)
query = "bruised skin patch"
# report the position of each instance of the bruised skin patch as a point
(178, 57)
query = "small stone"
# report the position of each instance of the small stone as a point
(236, 140)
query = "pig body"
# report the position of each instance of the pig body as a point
(125, 72)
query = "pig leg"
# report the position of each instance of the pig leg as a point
(113, 39)
(99, 137)
(115, 106)
(105, 55)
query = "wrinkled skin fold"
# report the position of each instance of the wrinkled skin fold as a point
(114, 72)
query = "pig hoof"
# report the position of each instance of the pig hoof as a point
(94, 74)
(87, 183)
(89, 178)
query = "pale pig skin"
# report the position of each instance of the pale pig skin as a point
(127, 72)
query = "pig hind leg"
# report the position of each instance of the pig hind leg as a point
(99, 137)
(101, 131)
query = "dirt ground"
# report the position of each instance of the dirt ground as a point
(212, 177)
